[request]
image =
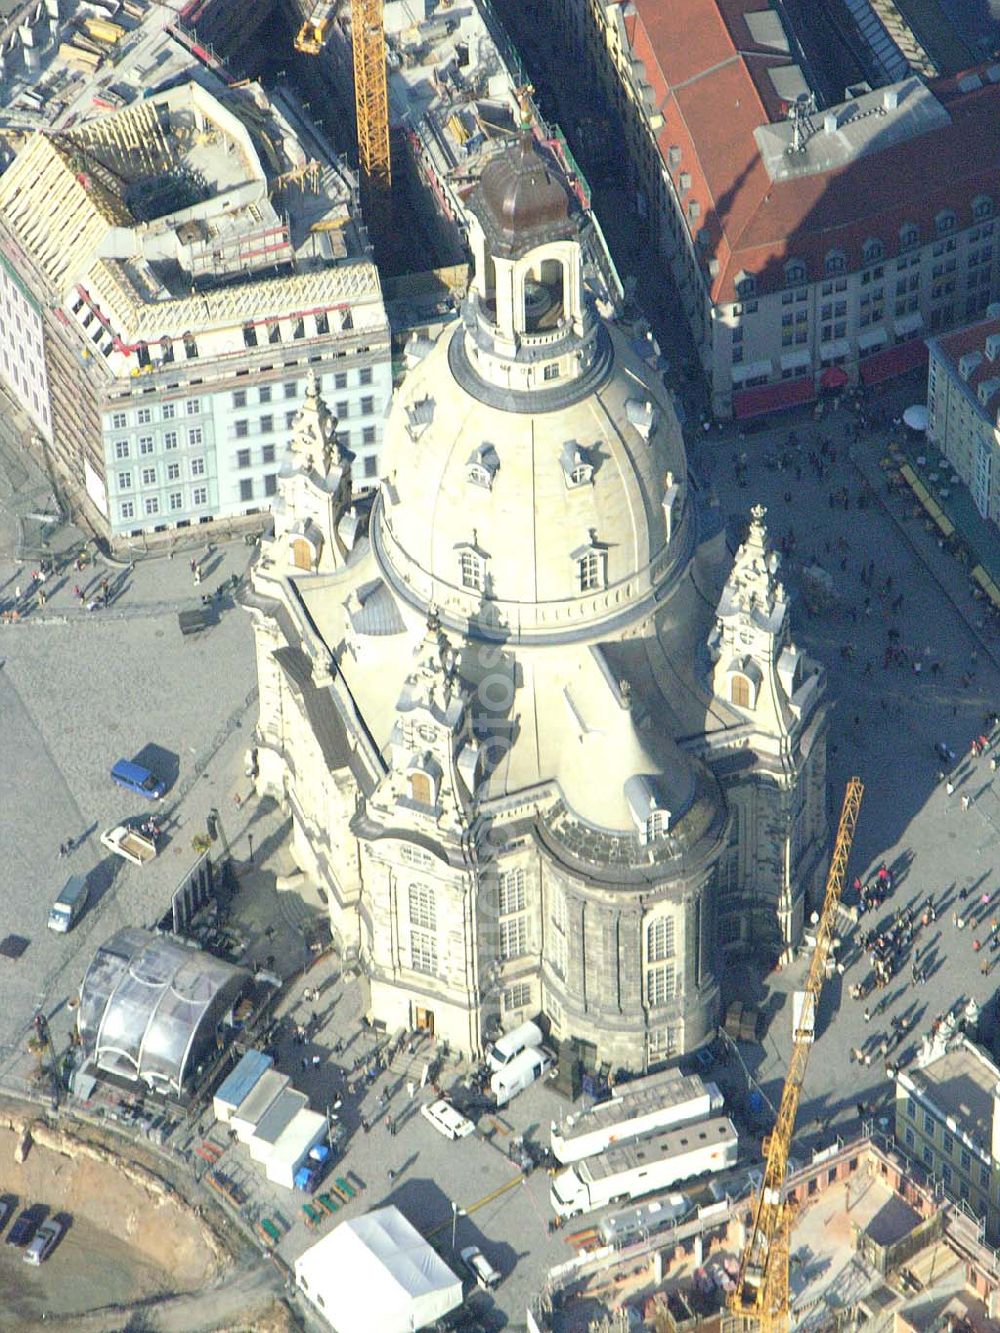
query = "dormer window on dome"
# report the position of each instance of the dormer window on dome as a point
(591, 565)
(483, 466)
(576, 465)
(472, 565)
(418, 417)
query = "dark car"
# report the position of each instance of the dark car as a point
(7, 1205)
(24, 1228)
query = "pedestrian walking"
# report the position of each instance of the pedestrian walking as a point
(62, 849)
(965, 802)
(868, 1017)
(949, 787)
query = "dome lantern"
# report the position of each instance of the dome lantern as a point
(528, 324)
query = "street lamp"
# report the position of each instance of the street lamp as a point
(456, 1213)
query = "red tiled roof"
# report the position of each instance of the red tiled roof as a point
(953, 346)
(710, 82)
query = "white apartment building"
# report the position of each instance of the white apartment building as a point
(183, 287)
(963, 408)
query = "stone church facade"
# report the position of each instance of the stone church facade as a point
(544, 751)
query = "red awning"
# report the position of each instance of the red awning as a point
(894, 361)
(773, 397)
(833, 378)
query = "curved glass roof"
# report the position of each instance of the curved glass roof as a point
(144, 998)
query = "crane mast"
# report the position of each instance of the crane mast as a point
(760, 1299)
(371, 99)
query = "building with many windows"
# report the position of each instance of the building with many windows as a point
(963, 408)
(948, 1119)
(542, 750)
(813, 246)
(174, 280)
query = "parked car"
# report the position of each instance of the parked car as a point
(44, 1240)
(480, 1267)
(24, 1228)
(446, 1120)
(7, 1205)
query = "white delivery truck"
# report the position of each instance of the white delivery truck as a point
(645, 1165)
(520, 1073)
(653, 1104)
(67, 909)
(511, 1044)
(129, 843)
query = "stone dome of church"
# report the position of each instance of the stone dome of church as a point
(558, 518)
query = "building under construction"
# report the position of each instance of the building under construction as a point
(182, 266)
(873, 1244)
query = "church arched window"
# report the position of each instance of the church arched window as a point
(739, 692)
(471, 570)
(421, 788)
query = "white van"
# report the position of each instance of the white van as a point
(511, 1044)
(520, 1073)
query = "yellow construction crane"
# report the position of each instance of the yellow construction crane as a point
(371, 97)
(760, 1300)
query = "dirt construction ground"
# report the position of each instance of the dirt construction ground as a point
(128, 1238)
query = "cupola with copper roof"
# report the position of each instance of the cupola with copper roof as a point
(528, 325)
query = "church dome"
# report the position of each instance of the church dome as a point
(558, 518)
(519, 200)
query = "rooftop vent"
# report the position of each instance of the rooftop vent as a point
(993, 346)
(890, 99)
(968, 364)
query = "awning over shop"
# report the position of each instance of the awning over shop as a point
(934, 510)
(773, 398)
(871, 338)
(894, 361)
(840, 348)
(833, 378)
(980, 576)
(911, 323)
(753, 370)
(798, 359)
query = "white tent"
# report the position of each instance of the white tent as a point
(377, 1272)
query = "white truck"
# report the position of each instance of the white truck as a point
(645, 1165)
(520, 1073)
(130, 843)
(527, 1036)
(653, 1103)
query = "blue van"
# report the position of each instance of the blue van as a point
(133, 777)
